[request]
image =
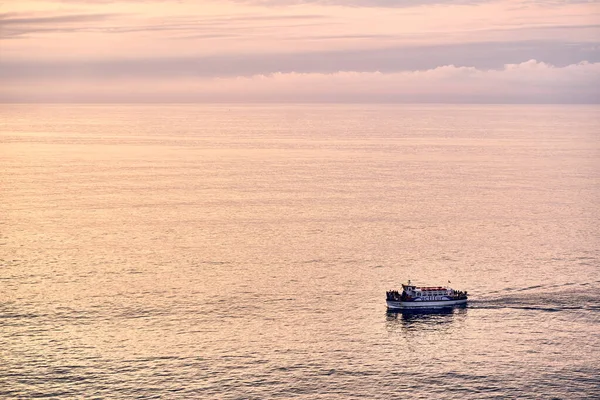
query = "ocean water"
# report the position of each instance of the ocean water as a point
(244, 251)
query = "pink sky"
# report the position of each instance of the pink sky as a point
(300, 50)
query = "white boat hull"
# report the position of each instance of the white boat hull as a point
(403, 305)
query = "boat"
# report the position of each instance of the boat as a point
(424, 297)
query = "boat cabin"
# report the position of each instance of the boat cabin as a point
(422, 291)
(422, 296)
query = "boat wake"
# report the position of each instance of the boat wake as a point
(532, 308)
(549, 298)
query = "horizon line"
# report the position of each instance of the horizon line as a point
(286, 103)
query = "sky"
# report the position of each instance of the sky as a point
(417, 51)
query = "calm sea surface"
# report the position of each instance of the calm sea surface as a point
(243, 252)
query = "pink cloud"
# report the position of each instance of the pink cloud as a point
(530, 81)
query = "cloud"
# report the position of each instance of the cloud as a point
(526, 82)
(484, 55)
(364, 3)
(15, 24)
(402, 3)
(343, 3)
(349, 3)
(530, 81)
(9, 20)
(556, 3)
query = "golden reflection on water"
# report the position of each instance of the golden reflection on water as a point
(245, 252)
